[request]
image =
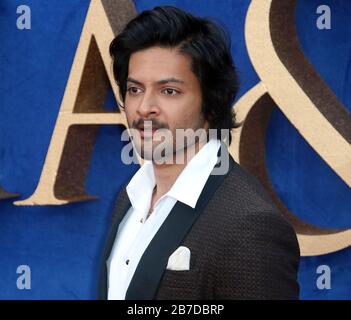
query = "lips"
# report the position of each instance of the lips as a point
(146, 131)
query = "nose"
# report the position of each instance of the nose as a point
(147, 107)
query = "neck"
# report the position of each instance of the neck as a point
(167, 174)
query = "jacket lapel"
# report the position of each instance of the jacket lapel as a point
(153, 263)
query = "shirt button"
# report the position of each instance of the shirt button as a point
(127, 262)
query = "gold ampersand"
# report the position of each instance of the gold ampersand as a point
(289, 82)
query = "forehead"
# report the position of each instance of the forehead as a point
(156, 63)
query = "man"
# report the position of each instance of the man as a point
(178, 230)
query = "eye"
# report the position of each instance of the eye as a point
(170, 92)
(134, 90)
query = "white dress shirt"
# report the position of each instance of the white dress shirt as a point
(136, 231)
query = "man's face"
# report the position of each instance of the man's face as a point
(163, 91)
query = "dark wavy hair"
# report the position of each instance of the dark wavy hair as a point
(203, 40)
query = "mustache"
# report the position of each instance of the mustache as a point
(156, 124)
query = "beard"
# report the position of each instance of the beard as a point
(154, 141)
(147, 135)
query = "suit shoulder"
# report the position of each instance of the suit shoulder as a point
(120, 201)
(242, 191)
(241, 203)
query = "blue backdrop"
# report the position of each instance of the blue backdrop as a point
(62, 244)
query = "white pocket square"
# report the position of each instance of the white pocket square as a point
(179, 259)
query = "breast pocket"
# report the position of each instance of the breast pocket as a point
(180, 279)
(183, 285)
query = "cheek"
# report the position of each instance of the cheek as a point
(128, 113)
(185, 115)
(130, 117)
(192, 110)
(129, 110)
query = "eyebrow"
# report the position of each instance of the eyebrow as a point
(163, 81)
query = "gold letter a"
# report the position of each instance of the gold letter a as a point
(81, 112)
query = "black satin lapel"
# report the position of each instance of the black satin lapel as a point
(116, 220)
(154, 261)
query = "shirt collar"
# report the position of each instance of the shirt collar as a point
(188, 186)
(193, 178)
(141, 186)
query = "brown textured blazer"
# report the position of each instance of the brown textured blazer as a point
(241, 246)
